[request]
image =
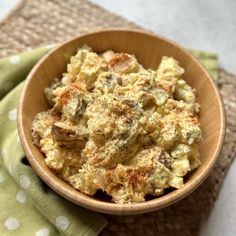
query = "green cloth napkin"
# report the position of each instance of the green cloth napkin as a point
(27, 205)
(209, 60)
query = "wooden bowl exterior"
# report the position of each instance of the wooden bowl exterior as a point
(149, 50)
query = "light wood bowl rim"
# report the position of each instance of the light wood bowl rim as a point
(113, 208)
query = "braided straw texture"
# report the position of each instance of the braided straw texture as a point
(40, 22)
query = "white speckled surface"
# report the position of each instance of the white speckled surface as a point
(6, 6)
(208, 25)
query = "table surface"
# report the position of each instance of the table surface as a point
(208, 25)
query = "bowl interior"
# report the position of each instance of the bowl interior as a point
(149, 50)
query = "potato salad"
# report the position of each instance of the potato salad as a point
(118, 127)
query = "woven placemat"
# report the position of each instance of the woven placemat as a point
(40, 22)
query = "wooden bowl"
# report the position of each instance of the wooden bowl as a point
(149, 50)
